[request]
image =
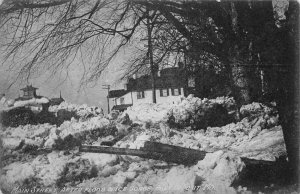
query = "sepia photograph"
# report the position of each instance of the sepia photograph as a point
(149, 96)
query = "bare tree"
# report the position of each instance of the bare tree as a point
(55, 33)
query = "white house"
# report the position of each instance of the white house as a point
(170, 87)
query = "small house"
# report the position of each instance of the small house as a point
(56, 101)
(171, 85)
(29, 92)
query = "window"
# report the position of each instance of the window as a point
(122, 100)
(164, 92)
(140, 94)
(176, 91)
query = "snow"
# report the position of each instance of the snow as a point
(100, 160)
(183, 110)
(227, 169)
(140, 141)
(255, 108)
(50, 168)
(11, 143)
(178, 179)
(18, 172)
(81, 110)
(47, 168)
(267, 145)
(46, 134)
(219, 169)
(51, 138)
(30, 134)
(74, 126)
(28, 131)
(256, 136)
(236, 137)
(210, 160)
(148, 112)
(109, 170)
(121, 178)
(8, 105)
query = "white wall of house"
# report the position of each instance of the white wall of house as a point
(132, 97)
(126, 99)
(159, 99)
(111, 104)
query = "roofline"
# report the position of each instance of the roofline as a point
(148, 90)
(157, 88)
(28, 87)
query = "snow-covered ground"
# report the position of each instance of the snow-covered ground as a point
(81, 110)
(256, 136)
(182, 110)
(10, 104)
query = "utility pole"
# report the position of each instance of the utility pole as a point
(107, 87)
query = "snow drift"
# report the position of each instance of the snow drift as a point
(256, 136)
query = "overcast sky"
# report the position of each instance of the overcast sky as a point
(68, 82)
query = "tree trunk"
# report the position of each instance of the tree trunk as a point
(240, 82)
(291, 138)
(288, 89)
(238, 70)
(150, 55)
(288, 108)
(153, 87)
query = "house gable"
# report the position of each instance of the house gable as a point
(170, 84)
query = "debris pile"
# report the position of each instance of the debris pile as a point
(46, 135)
(267, 116)
(47, 156)
(10, 104)
(200, 113)
(83, 111)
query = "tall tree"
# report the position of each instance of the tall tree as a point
(55, 32)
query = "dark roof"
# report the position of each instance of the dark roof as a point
(121, 107)
(28, 88)
(56, 101)
(21, 98)
(172, 77)
(169, 78)
(116, 93)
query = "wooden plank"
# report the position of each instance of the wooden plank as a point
(167, 153)
(180, 154)
(120, 151)
(156, 146)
